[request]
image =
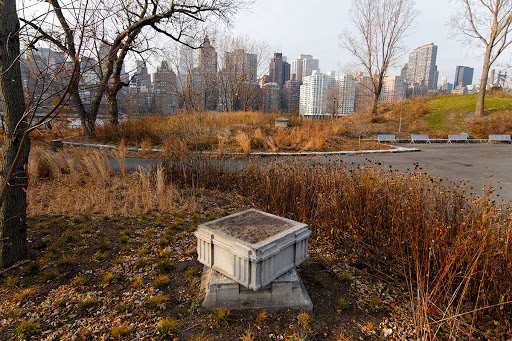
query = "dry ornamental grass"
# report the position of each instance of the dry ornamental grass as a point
(451, 249)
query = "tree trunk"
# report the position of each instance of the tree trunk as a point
(479, 109)
(113, 110)
(377, 89)
(13, 229)
(82, 113)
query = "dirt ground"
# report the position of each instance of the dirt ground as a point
(98, 277)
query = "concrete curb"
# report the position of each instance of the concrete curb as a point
(262, 154)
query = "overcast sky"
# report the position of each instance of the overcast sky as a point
(313, 27)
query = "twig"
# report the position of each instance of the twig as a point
(20, 263)
(197, 325)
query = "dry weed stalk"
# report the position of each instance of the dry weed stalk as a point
(120, 155)
(145, 146)
(244, 141)
(222, 141)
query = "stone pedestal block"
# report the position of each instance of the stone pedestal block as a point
(252, 248)
(285, 292)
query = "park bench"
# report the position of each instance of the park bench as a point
(499, 138)
(420, 138)
(458, 138)
(386, 138)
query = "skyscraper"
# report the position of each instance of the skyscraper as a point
(204, 77)
(141, 76)
(345, 95)
(279, 69)
(422, 69)
(393, 89)
(464, 75)
(164, 81)
(304, 66)
(364, 91)
(312, 94)
(244, 66)
(270, 97)
(291, 95)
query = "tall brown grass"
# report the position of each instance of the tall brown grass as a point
(185, 132)
(244, 141)
(497, 123)
(453, 248)
(74, 182)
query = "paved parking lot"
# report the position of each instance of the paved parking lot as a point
(480, 164)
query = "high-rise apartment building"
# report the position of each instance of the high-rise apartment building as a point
(203, 78)
(164, 83)
(291, 95)
(185, 65)
(393, 89)
(464, 75)
(279, 69)
(243, 66)
(141, 76)
(345, 93)
(364, 91)
(422, 69)
(270, 95)
(304, 66)
(312, 94)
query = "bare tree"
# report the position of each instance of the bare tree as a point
(176, 20)
(380, 27)
(20, 120)
(11, 89)
(489, 23)
(242, 67)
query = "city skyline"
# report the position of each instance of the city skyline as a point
(314, 28)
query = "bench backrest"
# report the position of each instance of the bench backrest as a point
(458, 137)
(419, 137)
(499, 137)
(385, 137)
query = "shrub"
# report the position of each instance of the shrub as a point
(138, 283)
(164, 266)
(161, 281)
(342, 304)
(158, 302)
(109, 277)
(303, 319)
(12, 282)
(78, 281)
(261, 318)
(26, 328)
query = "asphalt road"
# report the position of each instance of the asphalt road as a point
(481, 165)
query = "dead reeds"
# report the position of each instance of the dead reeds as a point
(451, 247)
(69, 182)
